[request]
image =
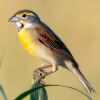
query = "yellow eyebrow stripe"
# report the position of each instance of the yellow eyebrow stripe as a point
(24, 13)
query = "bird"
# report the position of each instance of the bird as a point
(41, 41)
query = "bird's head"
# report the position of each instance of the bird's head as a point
(25, 19)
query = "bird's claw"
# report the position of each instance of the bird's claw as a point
(38, 75)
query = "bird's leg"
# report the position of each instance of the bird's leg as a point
(44, 66)
(54, 69)
(40, 71)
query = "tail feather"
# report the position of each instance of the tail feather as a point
(84, 81)
(81, 77)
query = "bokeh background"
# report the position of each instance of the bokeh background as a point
(77, 22)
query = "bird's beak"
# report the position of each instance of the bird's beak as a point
(14, 19)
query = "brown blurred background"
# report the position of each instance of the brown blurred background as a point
(77, 22)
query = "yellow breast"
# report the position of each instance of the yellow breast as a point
(28, 41)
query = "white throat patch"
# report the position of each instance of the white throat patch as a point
(21, 26)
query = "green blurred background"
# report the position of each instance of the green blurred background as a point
(77, 22)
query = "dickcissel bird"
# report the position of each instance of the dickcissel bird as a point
(39, 40)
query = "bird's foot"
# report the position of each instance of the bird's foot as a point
(40, 73)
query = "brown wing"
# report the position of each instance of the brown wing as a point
(47, 37)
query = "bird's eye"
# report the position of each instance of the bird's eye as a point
(24, 15)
